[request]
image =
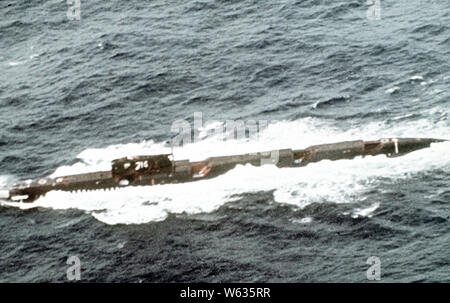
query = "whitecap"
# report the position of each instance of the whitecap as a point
(343, 181)
(392, 90)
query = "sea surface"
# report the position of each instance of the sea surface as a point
(76, 94)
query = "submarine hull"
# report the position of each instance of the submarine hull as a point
(159, 169)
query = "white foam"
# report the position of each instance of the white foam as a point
(306, 220)
(365, 212)
(416, 77)
(392, 90)
(15, 63)
(343, 181)
(4, 194)
(5, 180)
(96, 159)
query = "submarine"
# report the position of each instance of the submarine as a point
(151, 170)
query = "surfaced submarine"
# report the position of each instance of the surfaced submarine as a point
(163, 169)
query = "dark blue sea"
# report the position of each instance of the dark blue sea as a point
(76, 94)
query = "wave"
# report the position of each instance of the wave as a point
(344, 181)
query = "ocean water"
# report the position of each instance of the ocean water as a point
(76, 94)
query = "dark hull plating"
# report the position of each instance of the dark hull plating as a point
(153, 170)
